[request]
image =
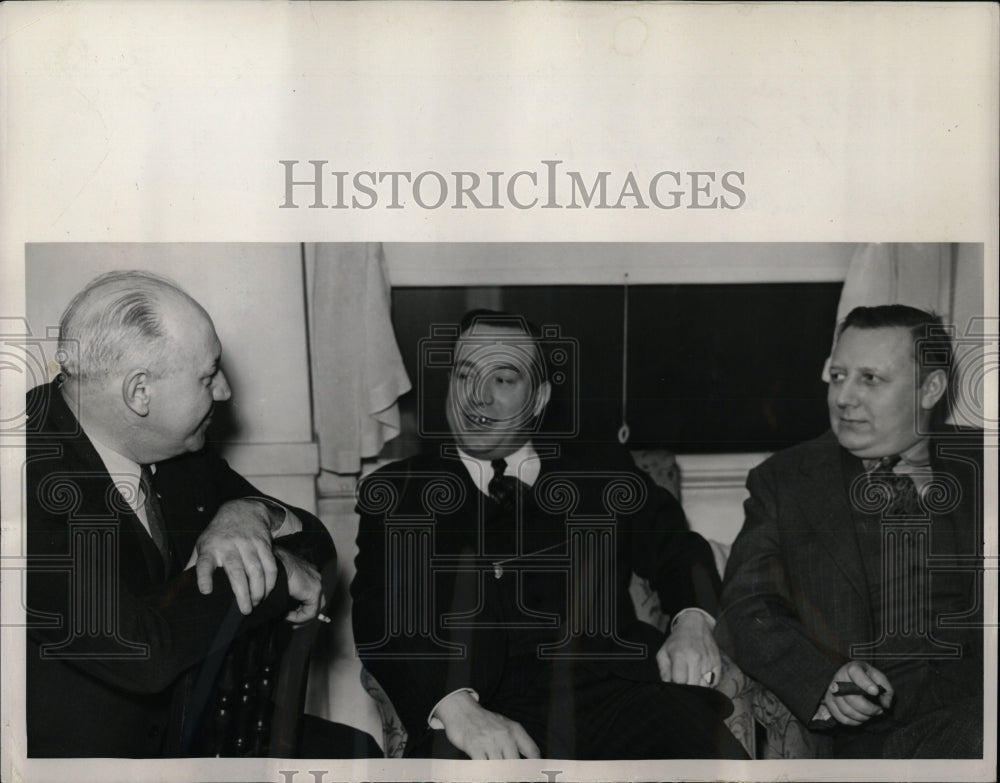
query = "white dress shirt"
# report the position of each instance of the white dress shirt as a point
(126, 476)
(523, 465)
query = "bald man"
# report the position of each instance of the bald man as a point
(164, 538)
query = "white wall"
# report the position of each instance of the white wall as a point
(713, 488)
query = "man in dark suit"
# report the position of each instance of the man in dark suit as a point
(141, 542)
(854, 589)
(491, 598)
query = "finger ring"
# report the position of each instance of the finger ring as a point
(709, 677)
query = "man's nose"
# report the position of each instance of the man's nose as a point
(479, 390)
(846, 394)
(220, 388)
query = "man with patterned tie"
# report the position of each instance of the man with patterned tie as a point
(854, 589)
(491, 598)
(139, 538)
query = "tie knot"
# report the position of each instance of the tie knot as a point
(887, 464)
(154, 515)
(502, 489)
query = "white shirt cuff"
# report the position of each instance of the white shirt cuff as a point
(289, 525)
(682, 612)
(433, 721)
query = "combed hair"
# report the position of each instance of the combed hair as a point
(498, 318)
(118, 315)
(931, 341)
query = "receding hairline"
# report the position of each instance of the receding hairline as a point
(85, 318)
(128, 281)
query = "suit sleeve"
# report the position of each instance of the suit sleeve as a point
(97, 610)
(759, 626)
(397, 606)
(144, 639)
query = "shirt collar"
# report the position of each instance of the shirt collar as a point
(124, 472)
(523, 464)
(916, 456)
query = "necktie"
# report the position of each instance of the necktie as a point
(154, 516)
(904, 500)
(502, 489)
(901, 593)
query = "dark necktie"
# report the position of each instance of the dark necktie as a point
(502, 489)
(154, 516)
(904, 500)
(896, 552)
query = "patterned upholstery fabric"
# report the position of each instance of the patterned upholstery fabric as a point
(661, 465)
(393, 731)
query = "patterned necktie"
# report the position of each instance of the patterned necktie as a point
(154, 516)
(904, 501)
(502, 489)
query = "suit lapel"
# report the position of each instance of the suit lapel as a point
(956, 532)
(827, 483)
(84, 462)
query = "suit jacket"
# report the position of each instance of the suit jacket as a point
(109, 633)
(797, 594)
(499, 584)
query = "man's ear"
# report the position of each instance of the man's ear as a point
(136, 392)
(542, 394)
(933, 388)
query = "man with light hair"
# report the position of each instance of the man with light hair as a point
(162, 535)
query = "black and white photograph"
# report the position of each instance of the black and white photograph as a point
(512, 406)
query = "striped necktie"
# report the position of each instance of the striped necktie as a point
(904, 500)
(154, 515)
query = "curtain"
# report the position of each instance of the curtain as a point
(919, 275)
(931, 276)
(357, 370)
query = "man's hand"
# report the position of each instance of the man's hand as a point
(482, 734)
(238, 539)
(855, 709)
(690, 655)
(304, 585)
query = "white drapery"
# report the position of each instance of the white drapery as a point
(919, 275)
(357, 370)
